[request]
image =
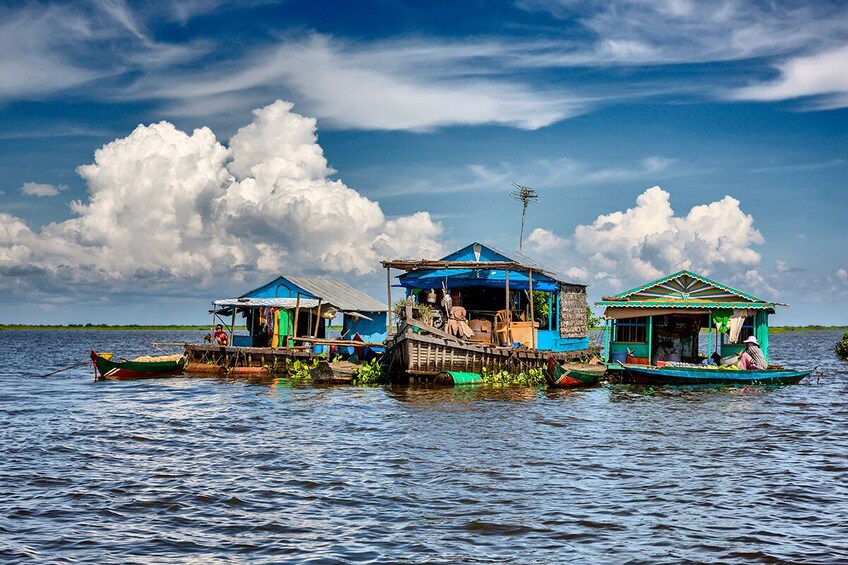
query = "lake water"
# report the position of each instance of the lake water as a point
(208, 470)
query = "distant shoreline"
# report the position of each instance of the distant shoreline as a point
(96, 327)
(136, 327)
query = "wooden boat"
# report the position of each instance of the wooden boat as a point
(144, 368)
(571, 376)
(419, 350)
(697, 375)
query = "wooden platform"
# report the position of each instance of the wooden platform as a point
(274, 359)
(264, 362)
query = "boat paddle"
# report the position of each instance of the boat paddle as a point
(75, 365)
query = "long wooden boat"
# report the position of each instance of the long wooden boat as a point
(418, 350)
(106, 369)
(570, 376)
(695, 375)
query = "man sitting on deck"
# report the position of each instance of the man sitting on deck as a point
(752, 358)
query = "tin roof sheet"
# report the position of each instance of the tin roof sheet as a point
(338, 293)
(287, 303)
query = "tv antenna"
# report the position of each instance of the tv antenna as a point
(526, 195)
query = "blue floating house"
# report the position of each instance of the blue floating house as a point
(509, 299)
(662, 320)
(291, 307)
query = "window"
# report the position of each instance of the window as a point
(631, 330)
(747, 329)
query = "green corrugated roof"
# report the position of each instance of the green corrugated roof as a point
(685, 289)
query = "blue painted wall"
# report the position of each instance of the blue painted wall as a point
(550, 341)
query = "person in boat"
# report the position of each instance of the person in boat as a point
(220, 336)
(752, 358)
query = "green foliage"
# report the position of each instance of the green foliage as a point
(99, 327)
(780, 329)
(592, 321)
(842, 347)
(371, 373)
(298, 369)
(541, 306)
(532, 378)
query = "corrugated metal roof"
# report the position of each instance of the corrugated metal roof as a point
(686, 304)
(273, 302)
(338, 293)
(684, 285)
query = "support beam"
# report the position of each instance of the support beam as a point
(296, 315)
(388, 300)
(507, 335)
(532, 317)
(318, 319)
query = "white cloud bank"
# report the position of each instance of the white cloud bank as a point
(823, 75)
(623, 249)
(166, 209)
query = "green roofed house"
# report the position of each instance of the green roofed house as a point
(661, 321)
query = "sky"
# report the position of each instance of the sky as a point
(155, 156)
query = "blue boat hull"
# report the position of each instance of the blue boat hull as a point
(696, 376)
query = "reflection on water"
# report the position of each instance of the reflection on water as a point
(216, 469)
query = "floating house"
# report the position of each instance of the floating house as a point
(661, 321)
(290, 310)
(498, 310)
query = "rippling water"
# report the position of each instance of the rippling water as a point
(200, 470)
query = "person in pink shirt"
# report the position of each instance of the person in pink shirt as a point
(752, 358)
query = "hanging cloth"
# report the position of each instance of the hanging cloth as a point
(284, 325)
(275, 336)
(721, 319)
(736, 321)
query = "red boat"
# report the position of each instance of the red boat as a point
(570, 376)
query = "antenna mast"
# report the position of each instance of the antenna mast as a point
(525, 195)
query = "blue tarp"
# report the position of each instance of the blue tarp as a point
(464, 278)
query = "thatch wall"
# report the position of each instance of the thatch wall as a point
(572, 311)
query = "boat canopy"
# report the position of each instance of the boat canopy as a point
(477, 277)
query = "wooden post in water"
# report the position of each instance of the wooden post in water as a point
(532, 316)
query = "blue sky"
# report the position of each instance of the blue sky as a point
(158, 155)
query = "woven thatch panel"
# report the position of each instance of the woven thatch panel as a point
(572, 311)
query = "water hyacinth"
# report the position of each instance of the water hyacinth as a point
(532, 378)
(842, 347)
(371, 373)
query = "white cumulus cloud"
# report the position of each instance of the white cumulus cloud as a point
(649, 240)
(166, 208)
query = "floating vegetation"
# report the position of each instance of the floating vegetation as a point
(298, 369)
(533, 378)
(371, 373)
(842, 347)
